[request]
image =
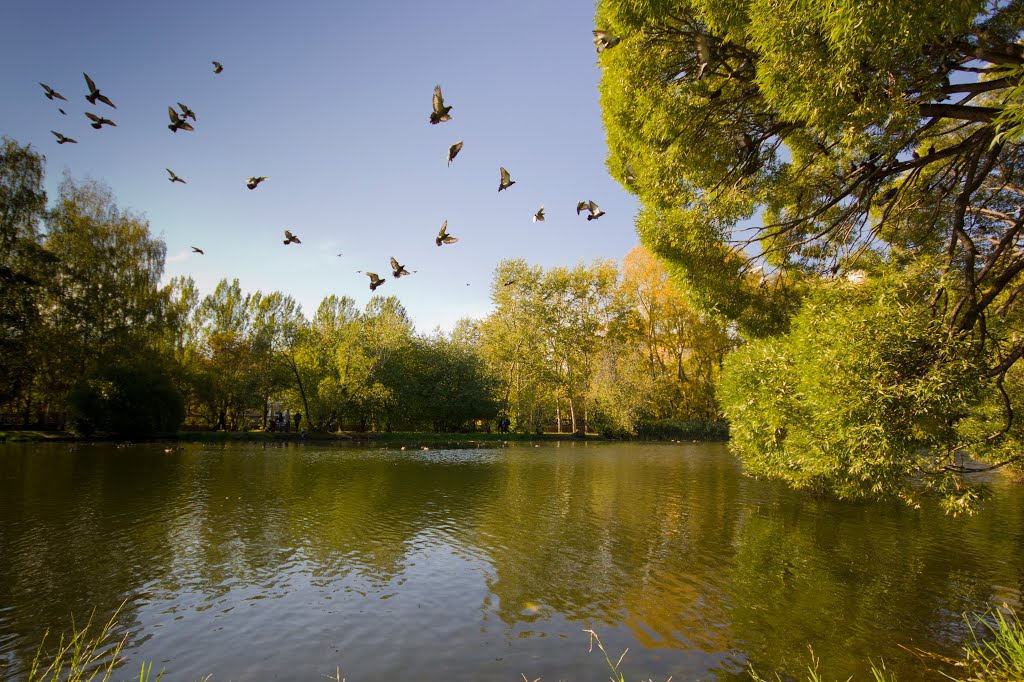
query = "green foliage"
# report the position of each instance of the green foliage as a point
(676, 429)
(22, 264)
(133, 400)
(780, 149)
(863, 396)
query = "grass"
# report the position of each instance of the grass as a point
(995, 653)
(878, 674)
(33, 436)
(388, 438)
(1000, 654)
(83, 657)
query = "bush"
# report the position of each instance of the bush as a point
(131, 400)
(679, 429)
(864, 394)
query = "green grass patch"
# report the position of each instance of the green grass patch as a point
(34, 436)
(998, 654)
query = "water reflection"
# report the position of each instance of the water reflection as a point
(251, 562)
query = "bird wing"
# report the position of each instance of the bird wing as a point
(448, 239)
(106, 100)
(88, 81)
(185, 126)
(373, 276)
(288, 234)
(453, 150)
(505, 177)
(170, 172)
(580, 205)
(444, 229)
(173, 115)
(217, 64)
(438, 100)
(57, 134)
(594, 208)
(93, 116)
(394, 264)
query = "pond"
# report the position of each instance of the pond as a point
(291, 562)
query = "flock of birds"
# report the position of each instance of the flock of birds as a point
(180, 121)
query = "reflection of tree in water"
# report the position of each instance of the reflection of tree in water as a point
(845, 578)
(668, 541)
(66, 548)
(605, 539)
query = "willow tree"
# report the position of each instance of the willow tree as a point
(784, 149)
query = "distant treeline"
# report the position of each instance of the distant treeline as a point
(91, 340)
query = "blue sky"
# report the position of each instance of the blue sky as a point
(331, 101)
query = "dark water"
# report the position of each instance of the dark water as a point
(288, 563)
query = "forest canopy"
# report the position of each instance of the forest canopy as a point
(94, 338)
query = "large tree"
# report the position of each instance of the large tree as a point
(102, 296)
(22, 264)
(778, 149)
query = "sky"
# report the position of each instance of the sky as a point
(330, 101)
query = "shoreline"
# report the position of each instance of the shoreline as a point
(397, 438)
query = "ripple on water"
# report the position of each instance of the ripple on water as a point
(251, 563)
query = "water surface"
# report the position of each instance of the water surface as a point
(256, 563)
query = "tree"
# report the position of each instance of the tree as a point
(512, 342)
(22, 265)
(102, 296)
(684, 349)
(777, 150)
(133, 398)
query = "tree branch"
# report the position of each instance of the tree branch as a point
(961, 112)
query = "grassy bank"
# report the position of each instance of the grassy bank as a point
(393, 438)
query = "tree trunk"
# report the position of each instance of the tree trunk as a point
(302, 392)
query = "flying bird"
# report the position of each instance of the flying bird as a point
(252, 182)
(510, 282)
(61, 139)
(95, 94)
(289, 238)
(62, 111)
(538, 217)
(604, 40)
(375, 281)
(177, 122)
(196, 249)
(51, 93)
(595, 210)
(396, 269)
(186, 112)
(217, 67)
(506, 180)
(440, 113)
(453, 151)
(173, 177)
(98, 121)
(443, 237)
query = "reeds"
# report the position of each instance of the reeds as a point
(83, 656)
(1000, 654)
